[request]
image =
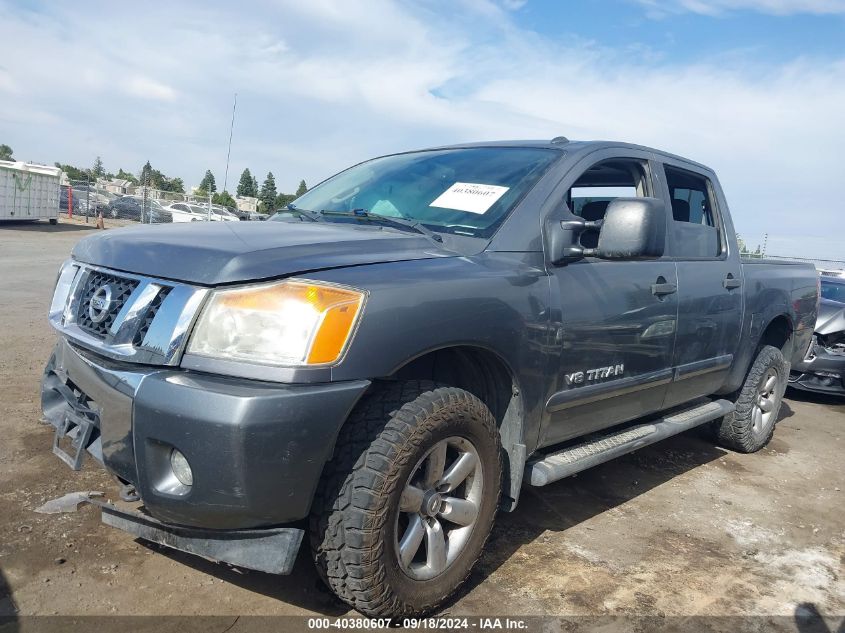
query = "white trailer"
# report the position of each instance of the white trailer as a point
(29, 192)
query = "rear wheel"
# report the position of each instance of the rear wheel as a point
(405, 506)
(750, 427)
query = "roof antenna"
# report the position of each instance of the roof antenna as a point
(559, 140)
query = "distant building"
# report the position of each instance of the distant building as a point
(247, 203)
(116, 185)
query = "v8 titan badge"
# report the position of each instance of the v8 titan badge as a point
(470, 197)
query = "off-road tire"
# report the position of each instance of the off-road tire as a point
(354, 512)
(736, 430)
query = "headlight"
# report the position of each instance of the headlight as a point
(64, 281)
(284, 323)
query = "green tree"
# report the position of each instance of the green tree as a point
(74, 173)
(157, 180)
(125, 175)
(98, 170)
(255, 185)
(145, 176)
(268, 190)
(6, 152)
(301, 189)
(207, 183)
(173, 185)
(282, 200)
(246, 185)
(224, 199)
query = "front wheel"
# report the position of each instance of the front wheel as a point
(406, 505)
(752, 424)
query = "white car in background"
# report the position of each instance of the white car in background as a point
(219, 214)
(185, 212)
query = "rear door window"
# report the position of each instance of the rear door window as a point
(696, 227)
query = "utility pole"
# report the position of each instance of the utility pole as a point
(145, 188)
(229, 151)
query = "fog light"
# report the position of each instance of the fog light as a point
(181, 468)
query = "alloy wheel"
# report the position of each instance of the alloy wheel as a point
(767, 400)
(438, 508)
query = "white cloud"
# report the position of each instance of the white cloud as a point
(658, 8)
(147, 88)
(323, 84)
(7, 82)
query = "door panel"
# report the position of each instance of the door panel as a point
(710, 306)
(709, 318)
(616, 342)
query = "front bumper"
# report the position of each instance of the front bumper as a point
(256, 449)
(822, 372)
(271, 550)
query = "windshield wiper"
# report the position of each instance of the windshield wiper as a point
(314, 217)
(363, 214)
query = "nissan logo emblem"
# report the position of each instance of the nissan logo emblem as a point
(100, 304)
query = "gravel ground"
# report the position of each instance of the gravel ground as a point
(681, 528)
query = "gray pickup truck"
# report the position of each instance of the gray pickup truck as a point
(384, 364)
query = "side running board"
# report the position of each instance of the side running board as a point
(599, 449)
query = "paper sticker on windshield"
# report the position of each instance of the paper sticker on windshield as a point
(469, 197)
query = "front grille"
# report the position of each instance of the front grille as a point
(131, 309)
(121, 288)
(155, 304)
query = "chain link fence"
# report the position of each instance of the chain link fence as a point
(128, 202)
(834, 265)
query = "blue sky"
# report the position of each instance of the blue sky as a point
(754, 88)
(680, 36)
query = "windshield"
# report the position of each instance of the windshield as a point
(833, 291)
(195, 209)
(466, 191)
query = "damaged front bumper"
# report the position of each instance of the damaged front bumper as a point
(271, 550)
(256, 451)
(821, 371)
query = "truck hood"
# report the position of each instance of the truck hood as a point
(229, 252)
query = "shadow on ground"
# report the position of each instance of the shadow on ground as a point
(45, 227)
(8, 608)
(808, 619)
(565, 504)
(302, 588)
(799, 395)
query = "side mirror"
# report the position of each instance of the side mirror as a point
(633, 228)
